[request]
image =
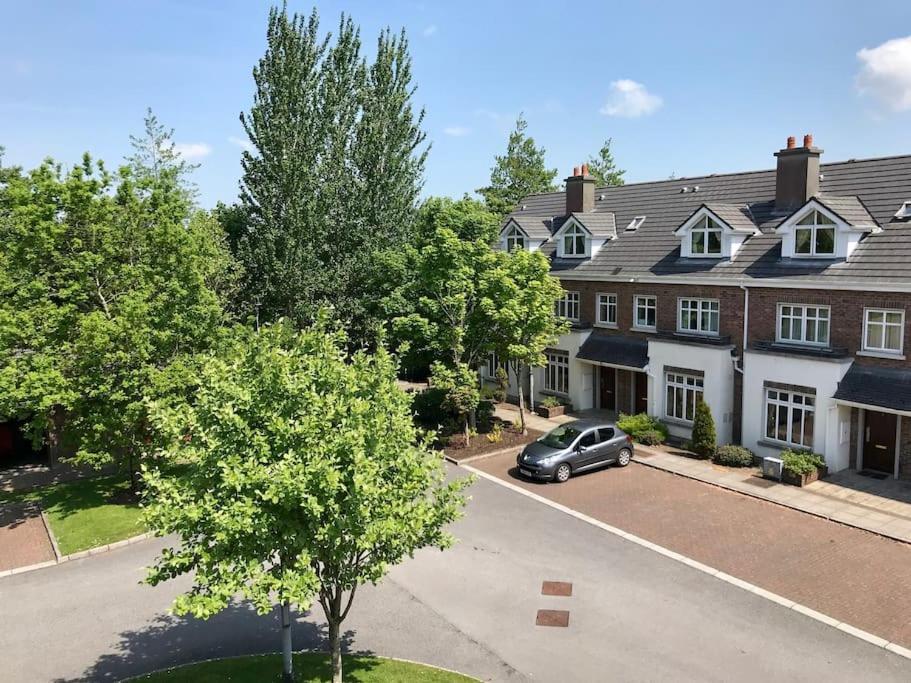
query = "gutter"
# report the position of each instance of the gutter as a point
(770, 283)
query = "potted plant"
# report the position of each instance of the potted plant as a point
(550, 406)
(802, 467)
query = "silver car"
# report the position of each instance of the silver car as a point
(575, 447)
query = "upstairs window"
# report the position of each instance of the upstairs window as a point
(705, 238)
(803, 324)
(646, 308)
(883, 330)
(574, 242)
(814, 235)
(515, 239)
(568, 306)
(607, 309)
(698, 316)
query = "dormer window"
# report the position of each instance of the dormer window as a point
(515, 239)
(574, 241)
(705, 238)
(814, 235)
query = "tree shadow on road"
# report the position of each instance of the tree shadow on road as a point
(238, 630)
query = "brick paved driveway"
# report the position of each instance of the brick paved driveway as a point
(851, 575)
(23, 538)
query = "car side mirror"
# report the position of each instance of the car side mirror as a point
(580, 448)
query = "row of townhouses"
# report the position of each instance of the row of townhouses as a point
(781, 297)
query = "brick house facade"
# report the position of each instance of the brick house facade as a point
(809, 263)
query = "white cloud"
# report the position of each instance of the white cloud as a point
(240, 142)
(192, 150)
(885, 73)
(629, 99)
(430, 30)
(457, 131)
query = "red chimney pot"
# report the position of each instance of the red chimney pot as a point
(808, 140)
(575, 171)
(792, 142)
(584, 169)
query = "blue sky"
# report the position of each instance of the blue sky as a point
(683, 87)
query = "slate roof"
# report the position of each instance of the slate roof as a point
(536, 227)
(598, 224)
(736, 216)
(849, 209)
(874, 386)
(630, 352)
(880, 186)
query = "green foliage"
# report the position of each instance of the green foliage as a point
(331, 184)
(703, 438)
(801, 462)
(643, 428)
(484, 412)
(111, 287)
(604, 168)
(502, 381)
(518, 173)
(550, 402)
(468, 218)
(157, 165)
(461, 393)
(305, 477)
(430, 414)
(731, 455)
(496, 433)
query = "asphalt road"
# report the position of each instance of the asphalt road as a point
(634, 615)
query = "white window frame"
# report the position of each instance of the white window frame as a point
(710, 307)
(646, 306)
(707, 225)
(885, 325)
(567, 305)
(611, 302)
(813, 228)
(556, 372)
(574, 234)
(635, 224)
(786, 399)
(514, 237)
(805, 319)
(691, 386)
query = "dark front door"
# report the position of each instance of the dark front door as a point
(608, 388)
(879, 441)
(641, 392)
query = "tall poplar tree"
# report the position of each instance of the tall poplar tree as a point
(334, 173)
(518, 173)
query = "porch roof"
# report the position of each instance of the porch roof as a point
(888, 388)
(615, 350)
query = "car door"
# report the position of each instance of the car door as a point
(610, 443)
(586, 449)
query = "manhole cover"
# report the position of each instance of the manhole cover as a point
(552, 617)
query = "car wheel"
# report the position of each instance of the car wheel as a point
(562, 473)
(624, 456)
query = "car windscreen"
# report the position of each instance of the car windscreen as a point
(561, 437)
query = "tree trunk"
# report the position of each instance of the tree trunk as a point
(467, 431)
(287, 665)
(55, 435)
(521, 400)
(335, 643)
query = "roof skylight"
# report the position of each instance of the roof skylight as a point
(904, 213)
(636, 223)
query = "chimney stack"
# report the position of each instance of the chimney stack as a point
(797, 175)
(580, 191)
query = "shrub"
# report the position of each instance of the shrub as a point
(496, 433)
(703, 431)
(801, 462)
(502, 380)
(550, 402)
(485, 415)
(733, 456)
(643, 426)
(428, 408)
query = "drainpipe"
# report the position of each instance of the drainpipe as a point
(743, 350)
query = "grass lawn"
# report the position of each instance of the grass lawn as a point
(308, 668)
(86, 513)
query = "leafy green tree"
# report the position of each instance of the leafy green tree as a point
(109, 290)
(522, 317)
(304, 478)
(157, 165)
(468, 218)
(332, 180)
(703, 439)
(234, 222)
(518, 173)
(604, 168)
(462, 393)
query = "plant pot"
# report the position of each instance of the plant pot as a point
(789, 477)
(550, 411)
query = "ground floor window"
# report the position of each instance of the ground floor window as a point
(790, 417)
(493, 362)
(682, 393)
(556, 373)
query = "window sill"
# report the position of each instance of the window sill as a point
(881, 354)
(607, 326)
(678, 422)
(551, 392)
(782, 445)
(650, 330)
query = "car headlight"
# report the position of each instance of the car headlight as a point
(548, 460)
